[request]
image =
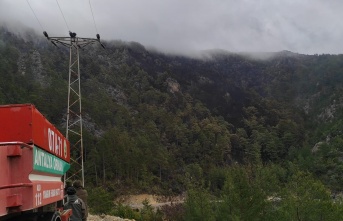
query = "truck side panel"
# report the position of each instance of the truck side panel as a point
(23, 122)
(22, 187)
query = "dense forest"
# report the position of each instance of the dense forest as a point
(259, 135)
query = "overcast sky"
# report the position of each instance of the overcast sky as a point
(302, 26)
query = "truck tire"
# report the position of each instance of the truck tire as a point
(50, 216)
(56, 217)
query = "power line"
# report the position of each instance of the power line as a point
(93, 16)
(63, 16)
(35, 15)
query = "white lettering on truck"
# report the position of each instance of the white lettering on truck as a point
(55, 143)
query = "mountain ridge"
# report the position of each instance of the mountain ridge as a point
(180, 114)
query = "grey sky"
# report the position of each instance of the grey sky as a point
(302, 26)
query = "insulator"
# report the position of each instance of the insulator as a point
(98, 36)
(72, 34)
(45, 34)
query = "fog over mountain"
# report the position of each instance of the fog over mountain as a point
(300, 26)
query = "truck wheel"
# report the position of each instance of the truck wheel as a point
(49, 216)
(56, 217)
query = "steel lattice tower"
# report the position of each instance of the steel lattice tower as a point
(74, 111)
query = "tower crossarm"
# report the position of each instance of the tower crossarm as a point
(73, 40)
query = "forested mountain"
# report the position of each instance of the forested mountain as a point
(156, 122)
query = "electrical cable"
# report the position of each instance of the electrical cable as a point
(93, 16)
(35, 15)
(63, 16)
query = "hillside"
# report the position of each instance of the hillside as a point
(155, 122)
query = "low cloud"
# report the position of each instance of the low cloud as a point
(178, 26)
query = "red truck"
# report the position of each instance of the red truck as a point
(34, 156)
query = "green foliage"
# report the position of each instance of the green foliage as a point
(266, 193)
(147, 213)
(327, 163)
(100, 201)
(305, 198)
(198, 206)
(242, 197)
(216, 180)
(127, 212)
(173, 212)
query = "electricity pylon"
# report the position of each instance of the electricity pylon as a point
(74, 111)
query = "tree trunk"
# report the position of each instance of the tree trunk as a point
(103, 167)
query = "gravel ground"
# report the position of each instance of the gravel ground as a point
(106, 218)
(135, 202)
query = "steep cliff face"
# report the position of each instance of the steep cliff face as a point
(30, 63)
